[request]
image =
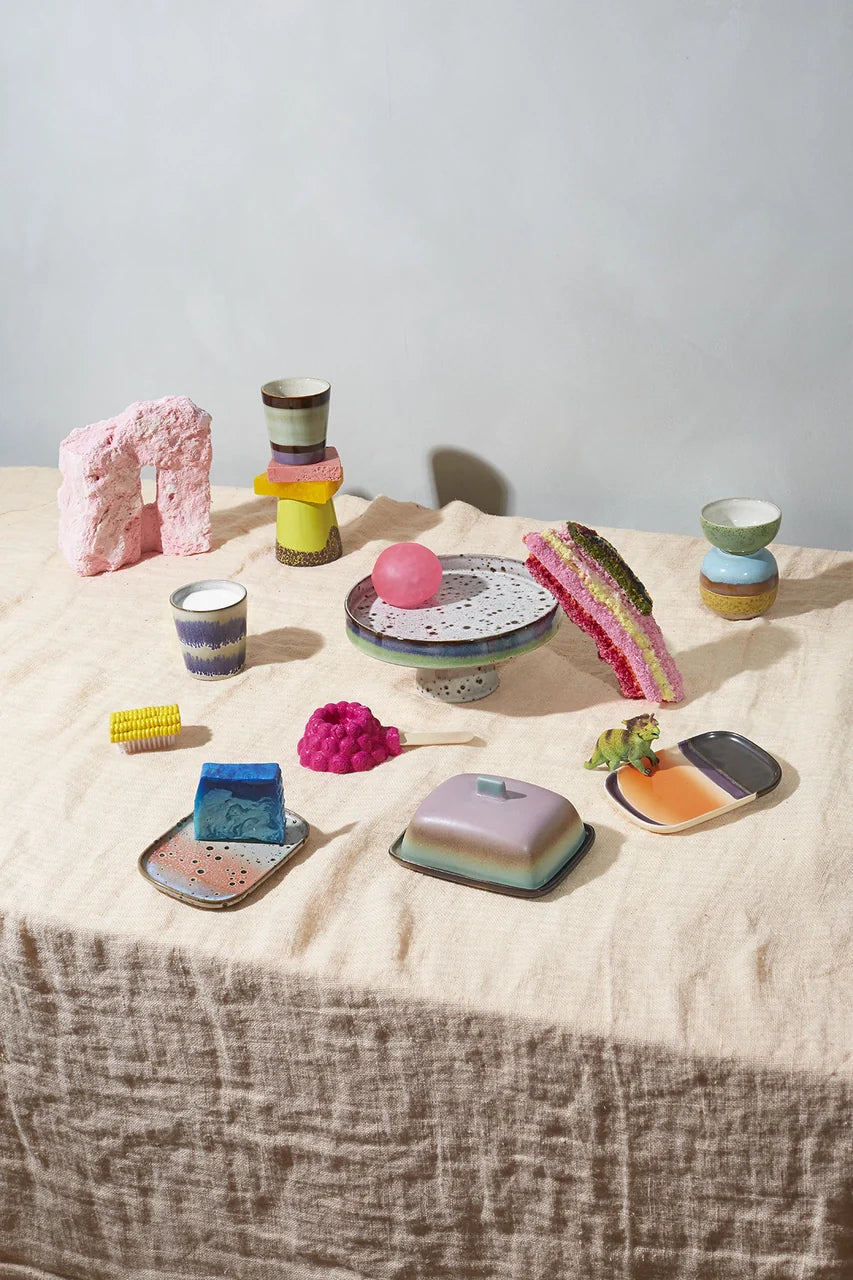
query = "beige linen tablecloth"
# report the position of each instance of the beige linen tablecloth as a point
(363, 1072)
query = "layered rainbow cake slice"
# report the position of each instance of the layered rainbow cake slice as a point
(606, 599)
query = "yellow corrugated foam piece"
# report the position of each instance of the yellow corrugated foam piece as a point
(145, 722)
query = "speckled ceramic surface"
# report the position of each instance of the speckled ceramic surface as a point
(487, 609)
(213, 873)
(457, 684)
(740, 526)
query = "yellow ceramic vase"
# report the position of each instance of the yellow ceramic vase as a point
(306, 533)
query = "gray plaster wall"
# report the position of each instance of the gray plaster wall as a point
(570, 259)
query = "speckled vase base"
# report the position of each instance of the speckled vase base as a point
(453, 684)
(333, 550)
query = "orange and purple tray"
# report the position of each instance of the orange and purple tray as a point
(700, 778)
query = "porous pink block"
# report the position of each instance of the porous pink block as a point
(285, 473)
(103, 522)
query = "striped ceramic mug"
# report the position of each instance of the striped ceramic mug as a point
(297, 411)
(210, 619)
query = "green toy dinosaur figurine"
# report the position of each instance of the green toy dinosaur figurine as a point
(631, 744)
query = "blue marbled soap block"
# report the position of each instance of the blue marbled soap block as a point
(240, 802)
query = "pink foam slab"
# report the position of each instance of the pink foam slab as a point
(103, 522)
(329, 469)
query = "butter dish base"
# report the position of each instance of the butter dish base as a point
(492, 886)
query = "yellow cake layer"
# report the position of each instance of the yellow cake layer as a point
(605, 595)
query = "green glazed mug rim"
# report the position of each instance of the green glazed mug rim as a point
(296, 393)
(774, 513)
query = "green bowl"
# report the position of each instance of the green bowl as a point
(740, 526)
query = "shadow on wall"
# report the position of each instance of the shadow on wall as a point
(457, 475)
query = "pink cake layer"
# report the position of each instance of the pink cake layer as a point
(329, 469)
(572, 589)
(621, 642)
(645, 621)
(607, 650)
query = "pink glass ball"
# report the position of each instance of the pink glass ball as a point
(406, 574)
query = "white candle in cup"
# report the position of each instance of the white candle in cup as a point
(204, 599)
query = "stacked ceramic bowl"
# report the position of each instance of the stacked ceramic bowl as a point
(739, 576)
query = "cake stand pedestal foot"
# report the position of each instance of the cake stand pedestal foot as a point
(457, 684)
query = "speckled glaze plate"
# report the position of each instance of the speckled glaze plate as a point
(215, 873)
(487, 609)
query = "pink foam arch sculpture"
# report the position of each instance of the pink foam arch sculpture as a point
(103, 522)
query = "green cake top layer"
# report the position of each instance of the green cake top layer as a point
(609, 558)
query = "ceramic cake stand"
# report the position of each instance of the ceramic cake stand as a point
(487, 609)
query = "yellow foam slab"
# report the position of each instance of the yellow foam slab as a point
(317, 491)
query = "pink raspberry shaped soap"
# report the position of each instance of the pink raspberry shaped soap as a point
(345, 737)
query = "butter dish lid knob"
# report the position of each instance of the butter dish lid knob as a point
(489, 786)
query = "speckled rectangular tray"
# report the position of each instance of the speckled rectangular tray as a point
(491, 885)
(216, 873)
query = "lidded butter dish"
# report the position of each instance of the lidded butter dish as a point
(495, 833)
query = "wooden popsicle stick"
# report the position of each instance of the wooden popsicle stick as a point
(433, 739)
